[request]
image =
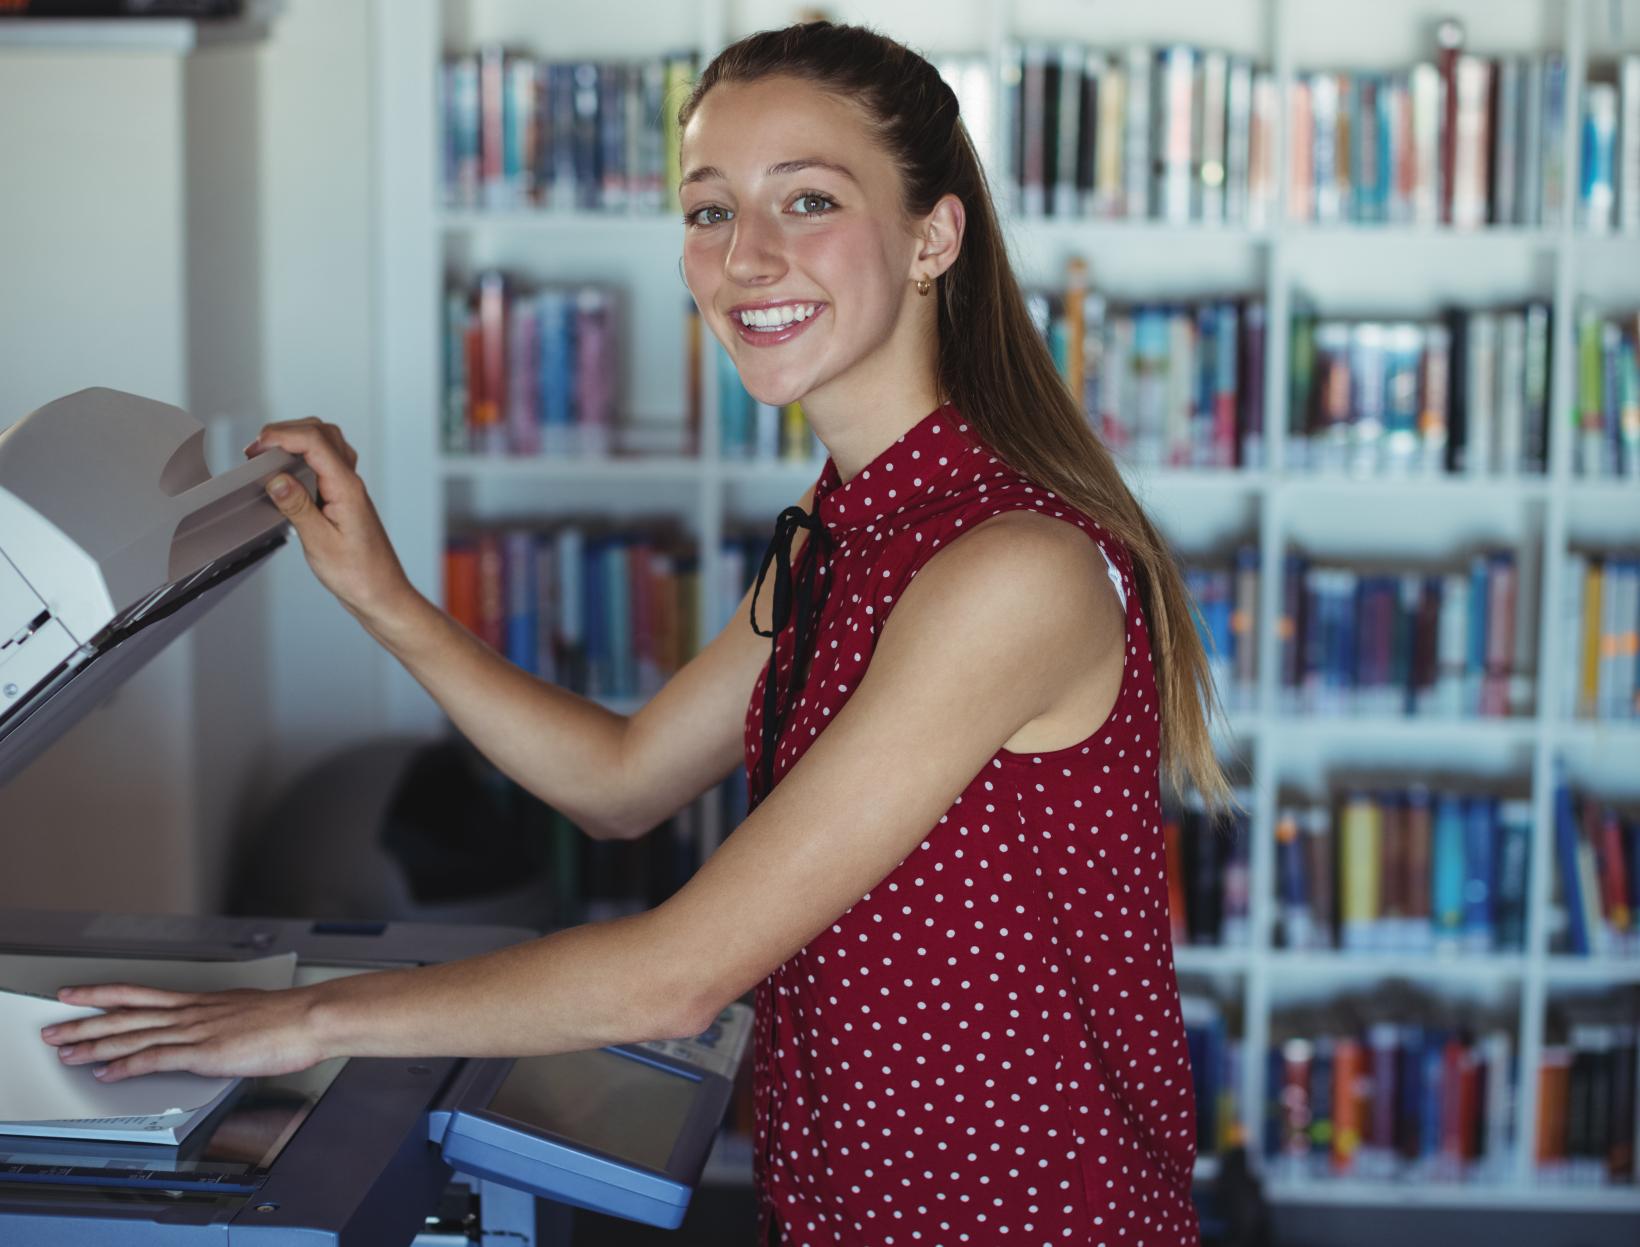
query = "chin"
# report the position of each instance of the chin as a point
(775, 393)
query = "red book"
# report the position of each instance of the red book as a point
(492, 593)
(461, 583)
(1349, 1067)
(492, 86)
(1469, 1104)
(1554, 1080)
(1450, 35)
(1605, 832)
(1500, 634)
(489, 400)
(1177, 915)
(1452, 1121)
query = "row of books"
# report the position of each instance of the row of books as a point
(599, 612)
(1208, 873)
(1417, 643)
(597, 880)
(530, 372)
(1601, 621)
(1215, 1053)
(1608, 396)
(520, 132)
(1175, 385)
(1597, 875)
(1587, 1078)
(1171, 133)
(1379, 1089)
(1403, 870)
(752, 430)
(1467, 394)
(1464, 140)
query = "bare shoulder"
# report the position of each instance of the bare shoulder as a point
(1033, 570)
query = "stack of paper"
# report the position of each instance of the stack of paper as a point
(43, 1097)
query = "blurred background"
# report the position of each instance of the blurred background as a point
(1351, 290)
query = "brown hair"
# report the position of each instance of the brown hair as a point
(992, 363)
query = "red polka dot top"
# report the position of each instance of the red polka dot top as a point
(1024, 1078)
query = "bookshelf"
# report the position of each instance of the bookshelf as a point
(1355, 269)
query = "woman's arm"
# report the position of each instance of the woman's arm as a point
(611, 776)
(977, 647)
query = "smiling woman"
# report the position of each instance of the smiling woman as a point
(954, 707)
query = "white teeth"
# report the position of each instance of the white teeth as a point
(777, 317)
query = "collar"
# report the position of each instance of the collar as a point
(912, 470)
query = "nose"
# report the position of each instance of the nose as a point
(756, 255)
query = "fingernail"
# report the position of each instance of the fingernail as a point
(253, 447)
(279, 486)
(67, 1050)
(48, 1032)
(100, 1072)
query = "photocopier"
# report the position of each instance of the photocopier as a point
(114, 538)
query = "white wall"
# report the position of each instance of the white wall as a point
(198, 230)
(317, 248)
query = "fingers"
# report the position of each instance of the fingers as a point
(123, 996)
(112, 1047)
(324, 450)
(118, 1022)
(184, 1057)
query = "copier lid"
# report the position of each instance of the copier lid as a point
(114, 538)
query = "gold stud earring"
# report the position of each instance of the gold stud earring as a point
(923, 285)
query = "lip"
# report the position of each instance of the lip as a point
(763, 337)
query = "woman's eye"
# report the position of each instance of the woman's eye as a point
(703, 216)
(813, 205)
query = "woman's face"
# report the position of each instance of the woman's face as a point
(793, 218)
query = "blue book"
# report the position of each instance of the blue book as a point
(595, 629)
(734, 408)
(1321, 1095)
(618, 617)
(1429, 1117)
(555, 379)
(1479, 885)
(1566, 837)
(1347, 607)
(1409, 1091)
(518, 574)
(1475, 651)
(1447, 869)
(1514, 853)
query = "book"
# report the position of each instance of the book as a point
(44, 1098)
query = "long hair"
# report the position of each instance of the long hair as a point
(992, 362)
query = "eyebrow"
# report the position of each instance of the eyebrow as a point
(707, 173)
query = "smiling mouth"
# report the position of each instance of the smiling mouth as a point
(772, 326)
(772, 319)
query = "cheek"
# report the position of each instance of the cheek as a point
(855, 267)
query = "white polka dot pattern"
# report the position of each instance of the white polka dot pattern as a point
(987, 1047)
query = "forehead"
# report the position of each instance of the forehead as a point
(743, 127)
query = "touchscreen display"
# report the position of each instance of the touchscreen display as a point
(615, 1104)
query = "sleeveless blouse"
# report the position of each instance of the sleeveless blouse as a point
(987, 1047)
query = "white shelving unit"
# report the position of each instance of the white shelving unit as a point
(1364, 270)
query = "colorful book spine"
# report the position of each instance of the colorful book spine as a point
(604, 614)
(1465, 395)
(520, 133)
(1460, 140)
(1412, 870)
(533, 372)
(1209, 873)
(1384, 1098)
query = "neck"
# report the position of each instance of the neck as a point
(860, 415)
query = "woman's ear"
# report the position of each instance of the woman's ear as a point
(941, 236)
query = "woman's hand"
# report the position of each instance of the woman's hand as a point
(217, 1034)
(341, 534)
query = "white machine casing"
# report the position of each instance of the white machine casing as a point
(114, 537)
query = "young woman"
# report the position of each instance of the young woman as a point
(954, 707)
